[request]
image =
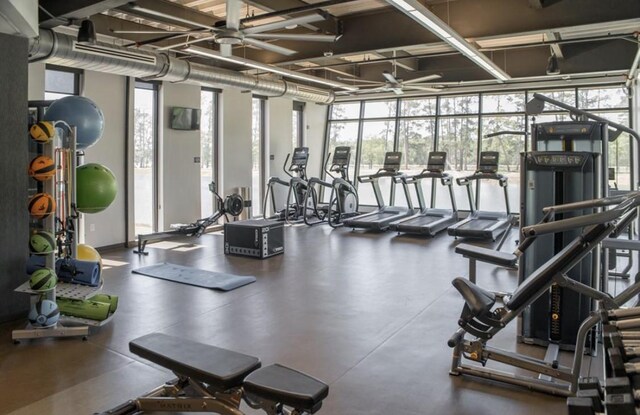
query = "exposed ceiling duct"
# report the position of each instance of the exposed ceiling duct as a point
(62, 49)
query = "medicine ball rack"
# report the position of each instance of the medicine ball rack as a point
(60, 148)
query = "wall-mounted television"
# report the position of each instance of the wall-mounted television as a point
(185, 118)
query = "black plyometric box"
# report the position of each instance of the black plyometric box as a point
(257, 238)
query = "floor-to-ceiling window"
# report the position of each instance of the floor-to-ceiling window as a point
(613, 104)
(208, 148)
(257, 144)
(145, 109)
(416, 135)
(378, 137)
(503, 113)
(61, 82)
(459, 124)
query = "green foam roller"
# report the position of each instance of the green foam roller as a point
(92, 310)
(112, 300)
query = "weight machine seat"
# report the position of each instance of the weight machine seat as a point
(478, 299)
(220, 368)
(281, 384)
(491, 256)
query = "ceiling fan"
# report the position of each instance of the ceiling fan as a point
(398, 86)
(231, 32)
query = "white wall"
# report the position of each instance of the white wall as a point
(180, 175)
(109, 93)
(235, 162)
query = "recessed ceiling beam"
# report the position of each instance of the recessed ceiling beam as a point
(72, 10)
(472, 19)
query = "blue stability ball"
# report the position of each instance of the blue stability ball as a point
(82, 113)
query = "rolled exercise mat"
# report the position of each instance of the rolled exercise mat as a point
(92, 310)
(110, 299)
(35, 262)
(78, 272)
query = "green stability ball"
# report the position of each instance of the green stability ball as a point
(96, 188)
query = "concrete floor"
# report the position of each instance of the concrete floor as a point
(369, 314)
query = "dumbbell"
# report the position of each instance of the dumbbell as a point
(620, 404)
(624, 313)
(588, 399)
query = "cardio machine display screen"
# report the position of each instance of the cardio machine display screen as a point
(392, 160)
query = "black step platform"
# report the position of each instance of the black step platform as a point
(220, 368)
(287, 386)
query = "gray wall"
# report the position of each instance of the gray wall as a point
(13, 186)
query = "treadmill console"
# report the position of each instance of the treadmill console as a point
(488, 162)
(436, 162)
(392, 161)
(341, 156)
(300, 156)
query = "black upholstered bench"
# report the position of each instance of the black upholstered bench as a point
(216, 380)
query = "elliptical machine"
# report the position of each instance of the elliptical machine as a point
(294, 209)
(343, 199)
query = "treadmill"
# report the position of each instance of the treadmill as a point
(481, 224)
(429, 221)
(381, 218)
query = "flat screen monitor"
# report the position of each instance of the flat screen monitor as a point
(185, 118)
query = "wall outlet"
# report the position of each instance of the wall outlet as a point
(92, 227)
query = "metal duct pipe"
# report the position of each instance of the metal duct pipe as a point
(61, 49)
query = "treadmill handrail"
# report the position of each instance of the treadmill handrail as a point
(379, 174)
(479, 175)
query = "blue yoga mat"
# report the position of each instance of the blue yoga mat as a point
(195, 276)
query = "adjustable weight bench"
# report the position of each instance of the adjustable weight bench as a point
(215, 380)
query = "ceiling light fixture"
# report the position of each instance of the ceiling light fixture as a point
(87, 32)
(422, 15)
(267, 68)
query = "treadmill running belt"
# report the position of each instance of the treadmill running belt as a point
(376, 217)
(420, 221)
(478, 224)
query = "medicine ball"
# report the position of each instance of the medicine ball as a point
(42, 168)
(42, 132)
(43, 279)
(42, 242)
(41, 205)
(44, 313)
